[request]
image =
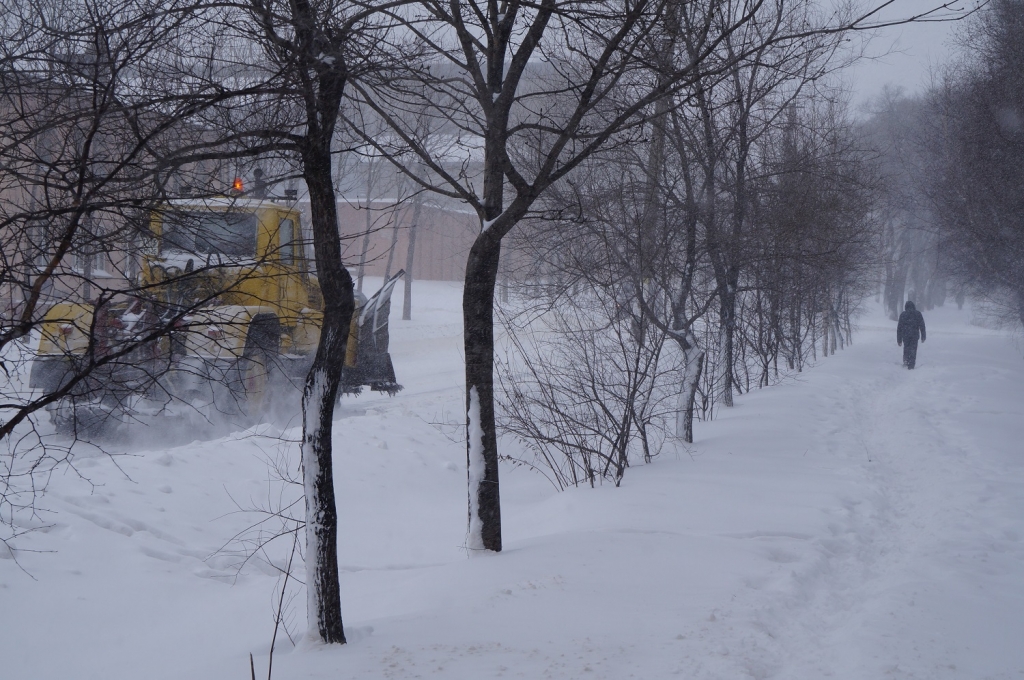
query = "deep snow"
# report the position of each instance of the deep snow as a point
(859, 521)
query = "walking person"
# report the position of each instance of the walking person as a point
(908, 330)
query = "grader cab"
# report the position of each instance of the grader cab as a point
(225, 303)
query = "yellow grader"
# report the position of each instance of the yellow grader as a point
(225, 302)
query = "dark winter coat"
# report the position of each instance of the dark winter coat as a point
(910, 326)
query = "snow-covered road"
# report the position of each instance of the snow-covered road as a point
(860, 521)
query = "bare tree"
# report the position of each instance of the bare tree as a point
(624, 271)
(315, 49)
(531, 91)
(582, 385)
(679, 204)
(817, 259)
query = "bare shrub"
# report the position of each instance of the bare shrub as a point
(580, 387)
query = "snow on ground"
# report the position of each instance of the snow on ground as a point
(860, 521)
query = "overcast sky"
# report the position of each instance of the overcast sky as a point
(904, 54)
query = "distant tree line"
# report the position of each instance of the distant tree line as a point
(951, 203)
(976, 179)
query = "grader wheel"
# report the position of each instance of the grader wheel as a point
(256, 367)
(255, 381)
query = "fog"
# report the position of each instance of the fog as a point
(902, 56)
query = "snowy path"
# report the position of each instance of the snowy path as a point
(859, 522)
(924, 577)
(940, 593)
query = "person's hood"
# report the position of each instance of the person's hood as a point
(909, 306)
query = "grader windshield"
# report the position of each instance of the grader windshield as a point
(210, 233)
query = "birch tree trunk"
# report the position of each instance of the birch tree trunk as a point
(693, 366)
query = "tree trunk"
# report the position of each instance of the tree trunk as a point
(824, 334)
(899, 287)
(391, 248)
(889, 287)
(693, 363)
(728, 311)
(409, 259)
(814, 335)
(481, 435)
(365, 245)
(478, 326)
(321, 389)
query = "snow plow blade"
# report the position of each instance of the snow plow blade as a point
(369, 363)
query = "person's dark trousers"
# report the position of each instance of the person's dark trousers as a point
(909, 353)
